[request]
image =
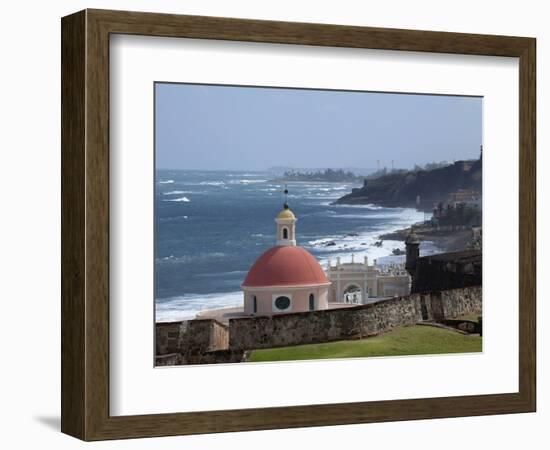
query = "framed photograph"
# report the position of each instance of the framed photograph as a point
(273, 225)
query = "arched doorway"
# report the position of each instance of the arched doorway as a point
(352, 294)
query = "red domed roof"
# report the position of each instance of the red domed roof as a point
(285, 266)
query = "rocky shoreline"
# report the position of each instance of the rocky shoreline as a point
(422, 189)
(447, 240)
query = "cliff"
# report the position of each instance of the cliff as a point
(422, 189)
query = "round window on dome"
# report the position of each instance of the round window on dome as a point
(282, 302)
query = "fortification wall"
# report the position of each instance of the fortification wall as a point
(438, 273)
(208, 341)
(457, 302)
(191, 336)
(351, 323)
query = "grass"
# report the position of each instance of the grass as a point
(472, 317)
(414, 340)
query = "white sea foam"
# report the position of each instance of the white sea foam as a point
(166, 182)
(172, 219)
(378, 253)
(366, 243)
(197, 257)
(187, 306)
(212, 183)
(233, 273)
(323, 196)
(368, 206)
(179, 199)
(340, 188)
(247, 181)
(234, 175)
(320, 242)
(176, 192)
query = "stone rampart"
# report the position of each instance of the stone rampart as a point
(208, 341)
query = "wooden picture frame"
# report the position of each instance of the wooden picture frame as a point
(85, 224)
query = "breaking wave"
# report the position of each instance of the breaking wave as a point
(247, 181)
(212, 183)
(187, 306)
(197, 257)
(179, 199)
(175, 192)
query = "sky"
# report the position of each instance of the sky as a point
(213, 127)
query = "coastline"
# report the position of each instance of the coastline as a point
(193, 305)
(447, 241)
(358, 230)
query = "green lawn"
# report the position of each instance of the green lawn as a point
(414, 340)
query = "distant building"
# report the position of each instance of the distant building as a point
(354, 282)
(442, 271)
(468, 197)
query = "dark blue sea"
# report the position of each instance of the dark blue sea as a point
(211, 226)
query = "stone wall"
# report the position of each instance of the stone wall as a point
(168, 337)
(191, 336)
(207, 341)
(350, 323)
(457, 302)
(170, 359)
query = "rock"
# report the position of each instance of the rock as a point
(330, 244)
(401, 188)
(398, 252)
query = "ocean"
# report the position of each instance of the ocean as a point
(210, 227)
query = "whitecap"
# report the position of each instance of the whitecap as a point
(368, 206)
(247, 181)
(340, 188)
(197, 257)
(166, 182)
(179, 199)
(172, 219)
(233, 175)
(222, 274)
(175, 193)
(212, 183)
